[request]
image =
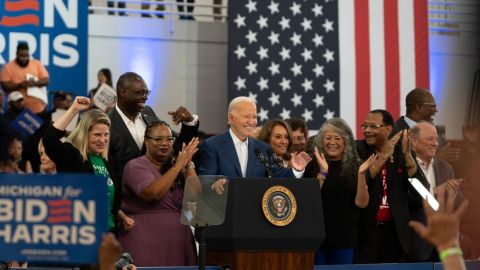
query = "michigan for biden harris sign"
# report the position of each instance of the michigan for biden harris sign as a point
(57, 34)
(58, 218)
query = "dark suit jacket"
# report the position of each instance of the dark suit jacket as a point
(421, 250)
(123, 147)
(401, 197)
(400, 124)
(219, 157)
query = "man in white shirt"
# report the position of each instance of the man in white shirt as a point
(131, 116)
(438, 172)
(421, 106)
(234, 153)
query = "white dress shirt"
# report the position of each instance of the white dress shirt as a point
(429, 173)
(241, 147)
(138, 126)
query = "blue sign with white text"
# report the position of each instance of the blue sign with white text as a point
(52, 218)
(26, 123)
(57, 34)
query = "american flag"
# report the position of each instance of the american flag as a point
(319, 59)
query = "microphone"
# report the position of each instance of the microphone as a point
(276, 159)
(264, 161)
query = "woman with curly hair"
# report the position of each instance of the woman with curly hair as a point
(343, 187)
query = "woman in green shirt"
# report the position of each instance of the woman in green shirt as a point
(86, 151)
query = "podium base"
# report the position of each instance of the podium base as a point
(261, 259)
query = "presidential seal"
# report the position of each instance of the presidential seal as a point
(279, 205)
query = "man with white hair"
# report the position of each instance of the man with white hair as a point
(437, 171)
(234, 153)
(440, 177)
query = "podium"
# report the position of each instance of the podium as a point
(248, 240)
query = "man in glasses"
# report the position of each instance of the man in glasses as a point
(421, 106)
(131, 116)
(385, 236)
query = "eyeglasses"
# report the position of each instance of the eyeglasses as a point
(141, 93)
(160, 139)
(431, 105)
(364, 126)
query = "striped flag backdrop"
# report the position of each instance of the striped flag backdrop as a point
(318, 59)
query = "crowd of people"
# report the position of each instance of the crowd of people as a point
(369, 206)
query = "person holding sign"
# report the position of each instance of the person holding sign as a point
(153, 193)
(86, 152)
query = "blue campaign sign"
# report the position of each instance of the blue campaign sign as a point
(26, 123)
(57, 34)
(52, 218)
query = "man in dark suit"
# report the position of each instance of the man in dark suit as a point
(384, 232)
(421, 106)
(234, 153)
(439, 174)
(131, 116)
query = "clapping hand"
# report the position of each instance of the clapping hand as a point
(406, 142)
(449, 153)
(389, 147)
(367, 164)
(300, 160)
(321, 161)
(452, 186)
(185, 156)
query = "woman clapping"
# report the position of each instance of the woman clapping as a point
(153, 193)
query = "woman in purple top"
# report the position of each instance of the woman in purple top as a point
(153, 193)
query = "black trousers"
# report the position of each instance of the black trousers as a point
(381, 246)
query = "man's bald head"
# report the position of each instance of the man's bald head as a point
(420, 105)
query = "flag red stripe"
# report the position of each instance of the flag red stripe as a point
(60, 211)
(58, 203)
(59, 219)
(22, 5)
(362, 62)
(421, 43)
(20, 20)
(392, 58)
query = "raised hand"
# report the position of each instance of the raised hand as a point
(367, 164)
(389, 147)
(185, 156)
(443, 225)
(181, 115)
(448, 153)
(406, 142)
(321, 161)
(81, 103)
(300, 160)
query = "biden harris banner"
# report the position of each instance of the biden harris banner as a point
(57, 34)
(52, 218)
